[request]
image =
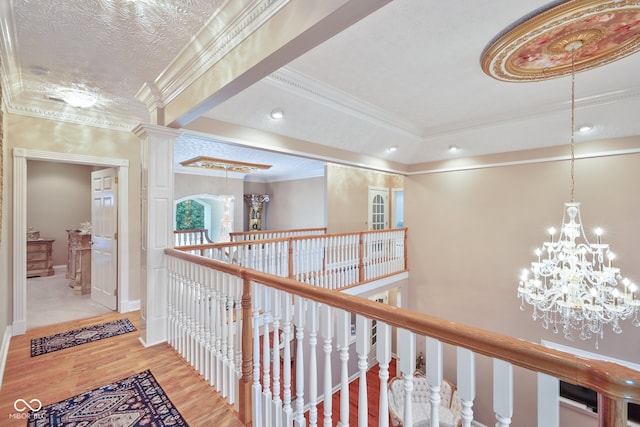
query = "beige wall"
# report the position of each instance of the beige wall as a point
(298, 203)
(58, 199)
(347, 196)
(472, 232)
(48, 135)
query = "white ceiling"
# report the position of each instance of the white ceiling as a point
(409, 75)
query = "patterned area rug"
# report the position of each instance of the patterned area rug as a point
(80, 336)
(135, 401)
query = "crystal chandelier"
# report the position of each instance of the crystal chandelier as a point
(573, 285)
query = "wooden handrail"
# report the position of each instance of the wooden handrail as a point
(285, 230)
(608, 379)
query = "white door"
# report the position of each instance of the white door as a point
(378, 208)
(104, 222)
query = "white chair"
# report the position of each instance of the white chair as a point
(448, 411)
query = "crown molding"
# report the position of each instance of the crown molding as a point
(232, 23)
(9, 70)
(550, 109)
(318, 92)
(51, 111)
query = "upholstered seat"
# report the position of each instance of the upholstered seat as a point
(448, 411)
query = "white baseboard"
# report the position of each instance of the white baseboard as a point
(127, 306)
(4, 351)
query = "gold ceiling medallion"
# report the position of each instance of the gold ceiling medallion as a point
(575, 35)
(222, 164)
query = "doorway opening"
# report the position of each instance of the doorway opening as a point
(20, 157)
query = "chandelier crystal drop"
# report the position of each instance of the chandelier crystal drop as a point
(573, 285)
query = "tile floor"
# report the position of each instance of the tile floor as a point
(50, 300)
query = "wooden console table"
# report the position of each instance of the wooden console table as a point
(79, 261)
(39, 257)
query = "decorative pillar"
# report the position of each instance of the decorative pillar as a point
(157, 216)
(256, 204)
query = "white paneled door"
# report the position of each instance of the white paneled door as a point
(104, 220)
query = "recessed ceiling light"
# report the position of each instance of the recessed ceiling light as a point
(392, 149)
(587, 127)
(454, 148)
(277, 114)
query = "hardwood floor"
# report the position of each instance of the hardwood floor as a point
(59, 375)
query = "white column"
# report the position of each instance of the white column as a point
(343, 337)
(466, 373)
(157, 215)
(502, 392)
(363, 346)
(383, 354)
(326, 332)
(434, 376)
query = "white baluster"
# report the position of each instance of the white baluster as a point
(277, 315)
(548, 401)
(287, 312)
(326, 331)
(407, 364)
(313, 368)
(466, 373)
(363, 346)
(299, 317)
(266, 357)
(383, 354)
(343, 338)
(257, 388)
(434, 376)
(502, 392)
(232, 383)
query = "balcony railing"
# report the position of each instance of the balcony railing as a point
(243, 236)
(331, 261)
(229, 322)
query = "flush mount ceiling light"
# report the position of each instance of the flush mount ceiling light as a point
(392, 148)
(77, 97)
(277, 114)
(454, 148)
(572, 285)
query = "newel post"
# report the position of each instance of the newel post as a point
(291, 258)
(246, 382)
(611, 413)
(360, 257)
(406, 262)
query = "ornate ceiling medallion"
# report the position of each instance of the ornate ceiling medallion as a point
(541, 46)
(222, 164)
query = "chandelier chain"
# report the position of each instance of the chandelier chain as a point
(573, 124)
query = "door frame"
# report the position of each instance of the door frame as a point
(20, 157)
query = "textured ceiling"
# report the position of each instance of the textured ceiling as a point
(409, 75)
